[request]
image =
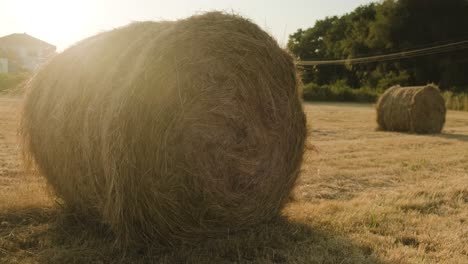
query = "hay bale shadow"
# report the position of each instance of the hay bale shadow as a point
(459, 137)
(54, 236)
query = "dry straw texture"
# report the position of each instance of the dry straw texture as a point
(411, 109)
(169, 130)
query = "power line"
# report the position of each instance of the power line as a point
(393, 56)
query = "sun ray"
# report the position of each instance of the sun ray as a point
(59, 22)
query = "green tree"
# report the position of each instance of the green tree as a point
(386, 27)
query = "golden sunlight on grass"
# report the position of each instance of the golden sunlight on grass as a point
(363, 197)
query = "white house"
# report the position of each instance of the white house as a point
(22, 51)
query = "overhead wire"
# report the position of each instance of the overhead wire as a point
(392, 56)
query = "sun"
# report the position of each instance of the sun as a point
(59, 22)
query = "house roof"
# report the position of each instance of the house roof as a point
(23, 39)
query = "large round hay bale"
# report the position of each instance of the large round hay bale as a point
(411, 109)
(171, 130)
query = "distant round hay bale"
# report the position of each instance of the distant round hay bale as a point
(171, 130)
(411, 109)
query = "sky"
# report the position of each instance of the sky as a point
(64, 22)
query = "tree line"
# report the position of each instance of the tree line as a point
(386, 27)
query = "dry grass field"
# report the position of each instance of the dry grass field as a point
(363, 197)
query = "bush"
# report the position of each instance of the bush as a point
(338, 92)
(390, 79)
(454, 101)
(341, 92)
(13, 80)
